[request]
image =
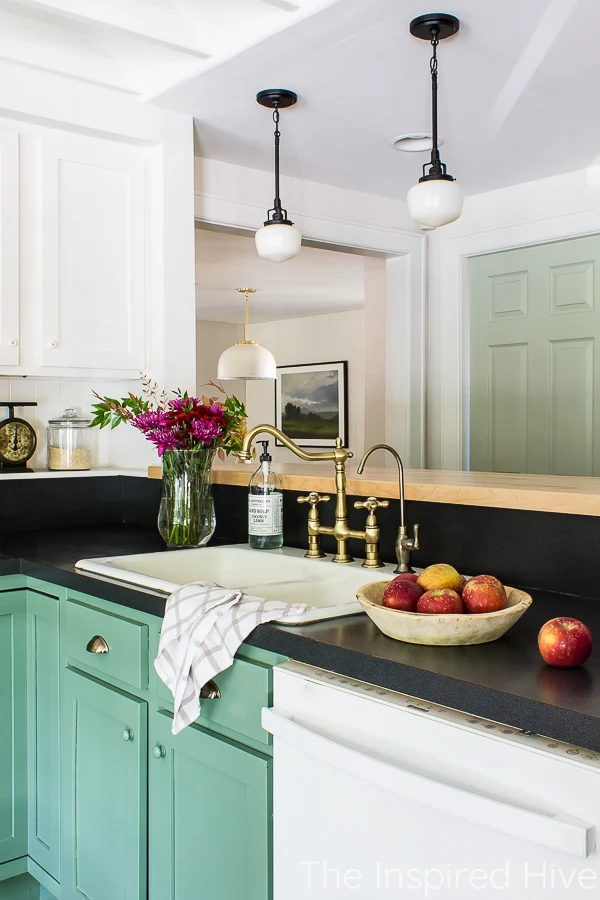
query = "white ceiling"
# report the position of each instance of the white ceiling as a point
(518, 94)
(315, 282)
(143, 47)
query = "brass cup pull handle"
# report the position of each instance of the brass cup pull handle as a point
(313, 498)
(210, 691)
(371, 503)
(97, 644)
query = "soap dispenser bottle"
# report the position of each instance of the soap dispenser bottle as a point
(265, 505)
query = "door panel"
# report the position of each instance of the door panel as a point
(92, 212)
(104, 801)
(44, 731)
(216, 796)
(13, 726)
(9, 251)
(535, 372)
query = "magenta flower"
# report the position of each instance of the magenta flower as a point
(147, 421)
(206, 430)
(165, 439)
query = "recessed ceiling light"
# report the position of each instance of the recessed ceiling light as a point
(415, 142)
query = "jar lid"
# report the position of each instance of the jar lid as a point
(70, 419)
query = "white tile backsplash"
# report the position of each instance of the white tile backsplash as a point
(123, 447)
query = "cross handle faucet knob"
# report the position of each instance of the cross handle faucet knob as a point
(313, 498)
(371, 503)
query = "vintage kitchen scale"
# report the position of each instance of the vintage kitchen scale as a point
(18, 440)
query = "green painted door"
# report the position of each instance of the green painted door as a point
(13, 725)
(104, 777)
(209, 817)
(43, 660)
(535, 360)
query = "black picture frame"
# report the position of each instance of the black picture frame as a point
(341, 368)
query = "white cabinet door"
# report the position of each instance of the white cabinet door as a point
(93, 238)
(9, 250)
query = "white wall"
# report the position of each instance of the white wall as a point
(549, 209)
(313, 339)
(212, 338)
(123, 448)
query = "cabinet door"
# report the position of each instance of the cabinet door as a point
(209, 817)
(104, 784)
(9, 250)
(92, 233)
(43, 731)
(13, 726)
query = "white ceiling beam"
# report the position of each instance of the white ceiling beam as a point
(48, 6)
(283, 4)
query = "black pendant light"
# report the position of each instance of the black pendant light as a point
(437, 199)
(278, 240)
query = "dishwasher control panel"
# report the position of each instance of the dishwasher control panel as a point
(588, 758)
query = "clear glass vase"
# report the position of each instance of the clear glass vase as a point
(186, 517)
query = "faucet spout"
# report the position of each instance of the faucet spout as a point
(404, 544)
(338, 453)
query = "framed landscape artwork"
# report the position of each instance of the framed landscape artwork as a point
(311, 403)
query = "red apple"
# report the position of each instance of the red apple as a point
(440, 602)
(402, 594)
(407, 576)
(565, 642)
(484, 594)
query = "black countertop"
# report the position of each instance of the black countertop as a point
(506, 680)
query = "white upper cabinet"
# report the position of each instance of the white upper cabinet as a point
(92, 254)
(9, 250)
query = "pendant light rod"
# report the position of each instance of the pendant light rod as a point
(434, 27)
(277, 99)
(247, 292)
(433, 64)
(277, 201)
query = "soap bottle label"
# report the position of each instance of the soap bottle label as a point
(265, 514)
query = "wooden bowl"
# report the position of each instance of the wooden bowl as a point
(442, 630)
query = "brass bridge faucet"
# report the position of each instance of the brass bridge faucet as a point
(341, 530)
(404, 544)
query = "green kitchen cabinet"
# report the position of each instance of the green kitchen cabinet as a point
(210, 831)
(13, 725)
(43, 703)
(104, 777)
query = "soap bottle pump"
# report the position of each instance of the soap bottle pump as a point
(265, 505)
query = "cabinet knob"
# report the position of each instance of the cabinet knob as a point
(53, 345)
(128, 734)
(13, 343)
(97, 644)
(159, 752)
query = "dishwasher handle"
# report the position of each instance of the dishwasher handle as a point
(561, 832)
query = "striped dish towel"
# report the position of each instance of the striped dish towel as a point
(203, 627)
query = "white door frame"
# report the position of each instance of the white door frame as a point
(405, 321)
(454, 301)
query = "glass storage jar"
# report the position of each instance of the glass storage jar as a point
(69, 443)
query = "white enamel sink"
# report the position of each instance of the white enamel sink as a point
(329, 589)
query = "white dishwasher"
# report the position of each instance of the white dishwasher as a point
(377, 794)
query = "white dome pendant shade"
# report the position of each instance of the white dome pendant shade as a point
(278, 242)
(437, 199)
(246, 360)
(278, 239)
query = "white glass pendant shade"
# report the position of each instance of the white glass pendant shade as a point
(435, 202)
(246, 360)
(278, 242)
